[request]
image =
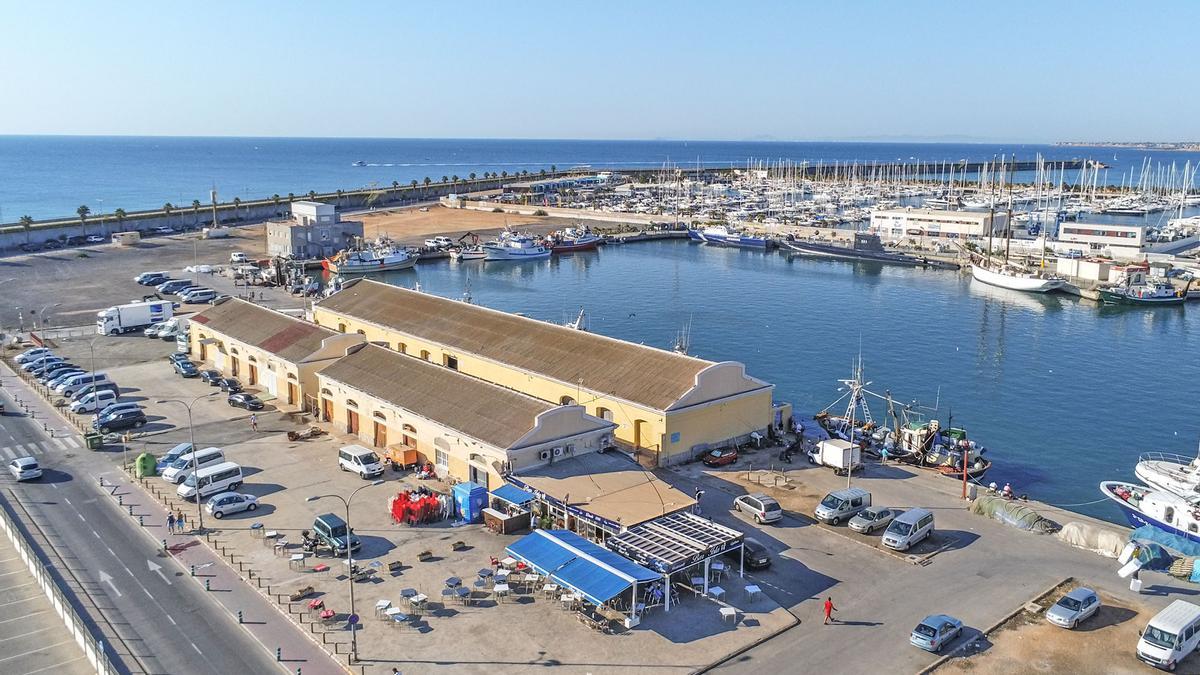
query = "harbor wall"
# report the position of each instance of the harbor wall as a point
(558, 212)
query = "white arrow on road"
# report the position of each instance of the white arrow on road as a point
(157, 569)
(106, 579)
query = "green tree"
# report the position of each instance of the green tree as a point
(196, 211)
(504, 174)
(83, 212)
(454, 179)
(413, 183)
(291, 197)
(472, 176)
(445, 179)
(26, 224)
(542, 173)
(237, 202)
(553, 169)
(120, 214)
(312, 194)
(276, 198)
(427, 181)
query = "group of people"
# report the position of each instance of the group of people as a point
(176, 522)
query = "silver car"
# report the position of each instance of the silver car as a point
(24, 468)
(1078, 605)
(225, 503)
(869, 520)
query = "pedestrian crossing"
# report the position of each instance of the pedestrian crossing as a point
(33, 448)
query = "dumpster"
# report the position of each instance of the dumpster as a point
(94, 440)
(469, 500)
(146, 465)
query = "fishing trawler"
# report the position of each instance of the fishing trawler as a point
(1163, 510)
(571, 240)
(1145, 294)
(379, 257)
(514, 246)
(723, 235)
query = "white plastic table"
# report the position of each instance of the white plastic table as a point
(501, 590)
(728, 613)
(753, 591)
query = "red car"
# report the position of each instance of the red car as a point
(720, 457)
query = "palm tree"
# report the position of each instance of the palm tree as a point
(120, 215)
(26, 224)
(454, 179)
(542, 173)
(553, 169)
(427, 181)
(472, 176)
(167, 209)
(445, 179)
(339, 198)
(504, 174)
(291, 197)
(196, 211)
(237, 201)
(312, 195)
(414, 183)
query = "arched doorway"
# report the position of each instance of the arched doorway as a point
(326, 405)
(566, 400)
(293, 390)
(604, 414)
(380, 435)
(351, 417)
(639, 433)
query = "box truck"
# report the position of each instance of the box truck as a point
(133, 316)
(837, 454)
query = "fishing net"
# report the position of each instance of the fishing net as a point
(1013, 514)
(1094, 538)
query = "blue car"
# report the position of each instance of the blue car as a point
(935, 631)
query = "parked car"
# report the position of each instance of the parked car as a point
(55, 370)
(869, 520)
(842, 505)
(32, 354)
(199, 295)
(173, 454)
(24, 468)
(40, 361)
(755, 557)
(720, 457)
(229, 384)
(151, 278)
(177, 356)
(439, 242)
(908, 529)
(245, 400)
(1078, 605)
(63, 375)
(219, 298)
(237, 258)
(114, 408)
(225, 503)
(174, 285)
(30, 247)
(125, 419)
(95, 239)
(210, 376)
(764, 509)
(163, 230)
(52, 244)
(186, 369)
(935, 632)
(151, 331)
(77, 240)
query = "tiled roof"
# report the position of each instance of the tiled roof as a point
(285, 336)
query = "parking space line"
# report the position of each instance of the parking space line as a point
(41, 648)
(32, 632)
(13, 602)
(57, 665)
(24, 616)
(10, 588)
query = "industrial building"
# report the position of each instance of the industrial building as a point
(315, 231)
(897, 224)
(667, 407)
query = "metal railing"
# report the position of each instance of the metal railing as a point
(92, 648)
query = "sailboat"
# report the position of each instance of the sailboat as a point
(1009, 274)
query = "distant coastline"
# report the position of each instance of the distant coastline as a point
(1186, 146)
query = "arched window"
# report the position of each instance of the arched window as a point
(401, 347)
(604, 414)
(292, 376)
(425, 354)
(378, 415)
(251, 359)
(350, 403)
(326, 392)
(233, 350)
(566, 400)
(341, 328)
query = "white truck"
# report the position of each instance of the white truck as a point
(132, 316)
(836, 454)
(173, 328)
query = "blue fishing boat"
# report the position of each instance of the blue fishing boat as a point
(1163, 510)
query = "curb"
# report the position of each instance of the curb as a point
(987, 631)
(745, 648)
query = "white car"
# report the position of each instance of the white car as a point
(152, 331)
(438, 242)
(25, 468)
(238, 257)
(225, 503)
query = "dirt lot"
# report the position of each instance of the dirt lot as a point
(412, 225)
(1028, 644)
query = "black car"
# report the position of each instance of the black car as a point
(30, 247)
(757, 556)
(125, 419)
(78, 240)
(229, 384)
(210, 376)
(52, 371)
(154, 280)
(52, 244)
(244, 400)
(186, 369)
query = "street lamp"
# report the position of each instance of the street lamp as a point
(43, 312)
(349, 560)
(192, 440)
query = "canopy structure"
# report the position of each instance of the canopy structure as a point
(596, 573)
(513, 495)
(674, 542)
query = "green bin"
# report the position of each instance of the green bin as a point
(146, 465)
(94, 440)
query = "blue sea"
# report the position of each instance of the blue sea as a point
(51, 176)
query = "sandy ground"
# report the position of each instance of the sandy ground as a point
(412, 225)
(1028, 644)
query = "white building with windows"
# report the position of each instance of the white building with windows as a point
(315, 231)
(913, 223)
(1120, 242)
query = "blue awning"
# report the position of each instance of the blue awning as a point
(513, 494)
(595, 572)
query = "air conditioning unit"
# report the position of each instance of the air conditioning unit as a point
(558, 452)
(545, 455)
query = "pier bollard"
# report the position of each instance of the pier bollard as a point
(207, 587)
(120, 500)
(193, 570)
(239, 616)
(101, 481)
(141, 521)
(164, 541)
(131, 509)
(279, 653)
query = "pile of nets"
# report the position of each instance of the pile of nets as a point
(1094, 538)
(1013, 514)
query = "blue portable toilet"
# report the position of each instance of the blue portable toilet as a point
(470, 500)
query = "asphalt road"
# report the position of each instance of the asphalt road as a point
(168, 622)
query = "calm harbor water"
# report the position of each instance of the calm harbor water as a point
(1063, 393)
(51, 176)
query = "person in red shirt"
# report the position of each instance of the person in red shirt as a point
(829, 610)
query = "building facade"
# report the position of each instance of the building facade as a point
(469, 429)
(897, 224)
(315, 231)
(268, 349)
(667, 407)
(1122, 242)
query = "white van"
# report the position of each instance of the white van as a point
(908, 528)
(1170, 636)
(360, 460)
(72, 384)
(842, 505)
(97, 400)
(181, 468)
(211, 480)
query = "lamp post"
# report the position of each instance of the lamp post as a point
(349, 560)
(192, 440)
(43, 312)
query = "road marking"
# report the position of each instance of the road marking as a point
(73, 442)
(13, 602)
(57, 665)
(59, 443)
(105, 578)
(23, 616)
(32, 632)
(193, 644)
(81, 517)
(157, 569)
(4, 574)
(21, 450)
(8, 452)
(95, 534)
(111, 552)
(148, 595)
(68, 501)
(172, 620)
(54, 485)
(40, 649)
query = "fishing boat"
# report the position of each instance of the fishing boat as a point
(867, 246)
(723, 235)
(513, 246)
(1150, 294)
(1173, 473)
(571, 240)
(468, 253)
(1164, 510)
(371, 259)
(1014, 278)
(926, 444)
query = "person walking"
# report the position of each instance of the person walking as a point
(171, 523)
(253, 422)
(829, 610)
(180, 522)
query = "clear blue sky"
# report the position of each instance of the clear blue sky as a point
(1031, 71)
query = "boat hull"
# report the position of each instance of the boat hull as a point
(1115, 298)
(368, 268)
(576, 246)
(1137, 518)
(844, 253)
(514, 256)
(735, 241)
(1028, 285)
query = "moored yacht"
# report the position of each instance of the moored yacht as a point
(1164, 510)
(376, 258)
(514, 246)
(1007, 276)
(1173, 473)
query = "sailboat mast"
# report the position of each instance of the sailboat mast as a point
(1008, 222)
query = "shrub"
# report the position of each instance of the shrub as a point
(497, 210)
(540, 212)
